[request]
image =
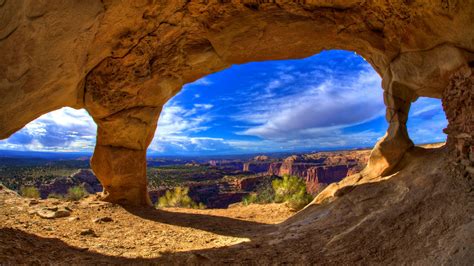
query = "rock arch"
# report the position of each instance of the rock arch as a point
(123, 60)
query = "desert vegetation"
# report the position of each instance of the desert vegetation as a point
(178, 197)
(30, 192)
(76, 193)
(289, 189)
(55, 196)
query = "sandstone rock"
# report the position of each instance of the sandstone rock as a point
(250, 183)
(72, 219)
(321, 169)
(256, 166)
(102, 220)
(53, 212)
(262, 158)
(33, 202)
(88, 232)
(123, 61)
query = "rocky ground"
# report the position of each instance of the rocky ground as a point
(92, 230)
(422, 214)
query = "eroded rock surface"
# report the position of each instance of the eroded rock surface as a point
(458, 103)
(122, 60)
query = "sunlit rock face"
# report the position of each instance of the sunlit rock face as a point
(122, 60)
(320, 169)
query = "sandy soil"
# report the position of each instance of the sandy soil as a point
(422, 214)
(137, 233)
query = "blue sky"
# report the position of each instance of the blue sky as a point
(331, 100)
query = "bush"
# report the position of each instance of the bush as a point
(263, 194)
(178, 197)
(30, 192)
(299, 201)
(76, 193)
(249, 199)
(55, 196)
(291, 189)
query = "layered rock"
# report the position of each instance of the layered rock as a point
(321, 169)
(250, 183)
(324, 175)
(256, 167)
(60, 185)
(122, 60)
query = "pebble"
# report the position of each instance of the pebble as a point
(102, 220)
(73, 218)
(48, 228)
(88, 232)
(33, 202)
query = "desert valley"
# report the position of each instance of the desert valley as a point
(215, 183)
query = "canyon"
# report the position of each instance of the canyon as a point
(216, 183)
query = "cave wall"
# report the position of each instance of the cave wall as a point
(122, 60)
(458, 104)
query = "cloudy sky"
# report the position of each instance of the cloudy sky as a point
(328, 101)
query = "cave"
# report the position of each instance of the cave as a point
(123, 74)
(122, 61)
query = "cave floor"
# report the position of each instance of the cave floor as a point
(128, 234)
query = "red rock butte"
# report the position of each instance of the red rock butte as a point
(123, 60)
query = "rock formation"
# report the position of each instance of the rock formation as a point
(256, 166)
(122, 60)
(321, 169)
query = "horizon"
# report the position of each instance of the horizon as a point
(329, 101)
(30, 154)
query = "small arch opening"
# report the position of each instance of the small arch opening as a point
(426, 122)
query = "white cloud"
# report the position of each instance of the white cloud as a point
(65, 129)
(426, 121)
(335, 103)
(177, 123)
(203, 106)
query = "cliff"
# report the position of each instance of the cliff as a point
(322, 168)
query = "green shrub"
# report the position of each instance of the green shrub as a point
(76, 193)
(263, 194)
(30, 192)
(249, 199)
(299, 200)
(55, 196)
(292, 190)
(178, 197)
(289, 189)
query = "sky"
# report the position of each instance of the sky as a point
(332, 100)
